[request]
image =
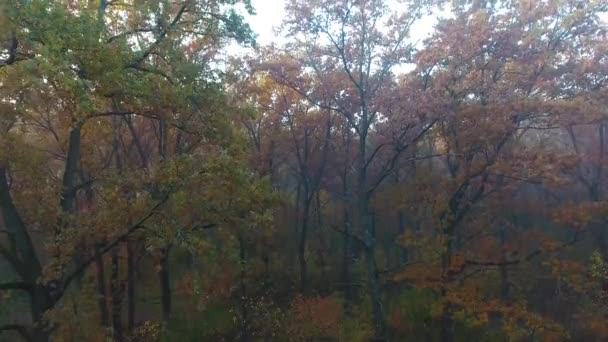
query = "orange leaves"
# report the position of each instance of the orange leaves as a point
(593, 325)
(579, 216)
(315, 317)
(423, 276)
(185, 285)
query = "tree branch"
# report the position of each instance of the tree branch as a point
(354, 236)
(21, 329)
(17, 285)
(84, 265)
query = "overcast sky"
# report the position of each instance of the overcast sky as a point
(269, 14)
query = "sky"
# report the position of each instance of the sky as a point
(270, 14)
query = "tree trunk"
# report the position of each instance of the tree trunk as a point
(302, 245)
(403, 255)
(243, 300)
(130, 286)
(374, 285)
(165, 285)
(505, 284)
(101, 289)
(346, 265)
(296, 229)
(365, 220)
(321, 250)
(116, 289)
(447, 323)
(40, 302)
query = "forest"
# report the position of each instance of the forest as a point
(164, 176)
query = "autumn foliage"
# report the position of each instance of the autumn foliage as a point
(359, 180)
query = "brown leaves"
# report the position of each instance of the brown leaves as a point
(316, 317)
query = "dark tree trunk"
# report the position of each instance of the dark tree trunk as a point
(130, 286)
(40, 302)
(321, 250)
(165, 284)
(101, 289)
(347, 282)
(505, 284)
(116, 289)
(244, 335)
(403, 253)
(447, 323)
(303, 239)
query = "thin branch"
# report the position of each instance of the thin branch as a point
(17, 285)
(354, 236)
(84, 265)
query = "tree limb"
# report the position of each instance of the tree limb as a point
(139, 224)
(17, 285)
(21, 329)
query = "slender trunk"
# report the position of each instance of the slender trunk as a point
(376, 296)
(372, 274)
(302, 246)
(346, 265)
(116, 289)
(244, 315)
(165, 286)
(447, 323)
(504, 271)
(101, 288)
(403, 254)
(365, 219)
(346, 253)
(130, 286)
(319, 225)
(296, 228)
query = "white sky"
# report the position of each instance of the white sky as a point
(270, 13)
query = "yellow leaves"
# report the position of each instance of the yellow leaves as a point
(147, 331)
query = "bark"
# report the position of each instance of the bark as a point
(130, 286)
(68, 196)
(447, 323)
(319, 225)
(165, 284)
(117, 293)
(403, 253)
(346, 253)
(365, 220)
(505, 284)
(303, 240)
(346, 278)
(243, 289)
(293, 253)
(101, 289)
(24, 260)
(40, 302)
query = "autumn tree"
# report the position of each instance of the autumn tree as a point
(78, 81)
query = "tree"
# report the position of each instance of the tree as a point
(343, 61)
(72, 75)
